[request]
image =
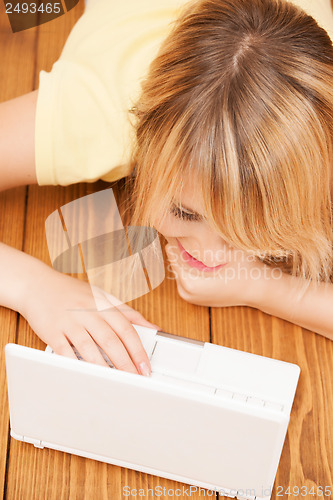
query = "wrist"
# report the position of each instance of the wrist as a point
(298, 301)
(277, 293)
(258, 293)
(31, 285)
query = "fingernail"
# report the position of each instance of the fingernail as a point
(144, 369)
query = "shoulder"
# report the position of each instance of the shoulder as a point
(82, 125)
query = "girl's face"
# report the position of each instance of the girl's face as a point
(188, 232)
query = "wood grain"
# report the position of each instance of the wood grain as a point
(28, 473)
(17, 68)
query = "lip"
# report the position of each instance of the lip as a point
(195, 262)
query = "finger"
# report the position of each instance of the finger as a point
(112, 346)
(130, 313)
(86, 346)
(129, 339)
(64, 348)
(134, 316)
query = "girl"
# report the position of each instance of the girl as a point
(232, 159)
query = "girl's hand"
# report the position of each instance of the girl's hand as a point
(242, 281)
(62, 311)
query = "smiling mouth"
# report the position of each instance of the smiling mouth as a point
(195, 262)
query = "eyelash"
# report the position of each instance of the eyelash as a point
(180, 214)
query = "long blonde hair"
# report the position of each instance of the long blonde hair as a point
(241, 97)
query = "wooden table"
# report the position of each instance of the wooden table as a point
(28, 473)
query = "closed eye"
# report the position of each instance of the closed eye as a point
(183, 215)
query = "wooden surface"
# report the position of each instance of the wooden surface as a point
(29, 473)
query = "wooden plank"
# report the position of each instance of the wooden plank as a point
(27, 56)
(307, 456)
(16, 78)
(11, 208)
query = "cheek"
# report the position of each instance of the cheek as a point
(171, 227)
(165, 227)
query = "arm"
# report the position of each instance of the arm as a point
(62, 312)
(312, 309)
(60, 309)
(249, 282)
(17, 141)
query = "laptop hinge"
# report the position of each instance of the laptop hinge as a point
(178, 337)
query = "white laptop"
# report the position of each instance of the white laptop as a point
(208, 416)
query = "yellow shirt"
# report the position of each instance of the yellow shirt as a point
(82, 129)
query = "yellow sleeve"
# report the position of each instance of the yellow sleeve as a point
(79, 132)
(82, 128)
(320, 10)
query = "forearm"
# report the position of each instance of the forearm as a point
(17, 141)
(312, 310)
(18, 271)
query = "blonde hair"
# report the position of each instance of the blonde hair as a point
(240, 97)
